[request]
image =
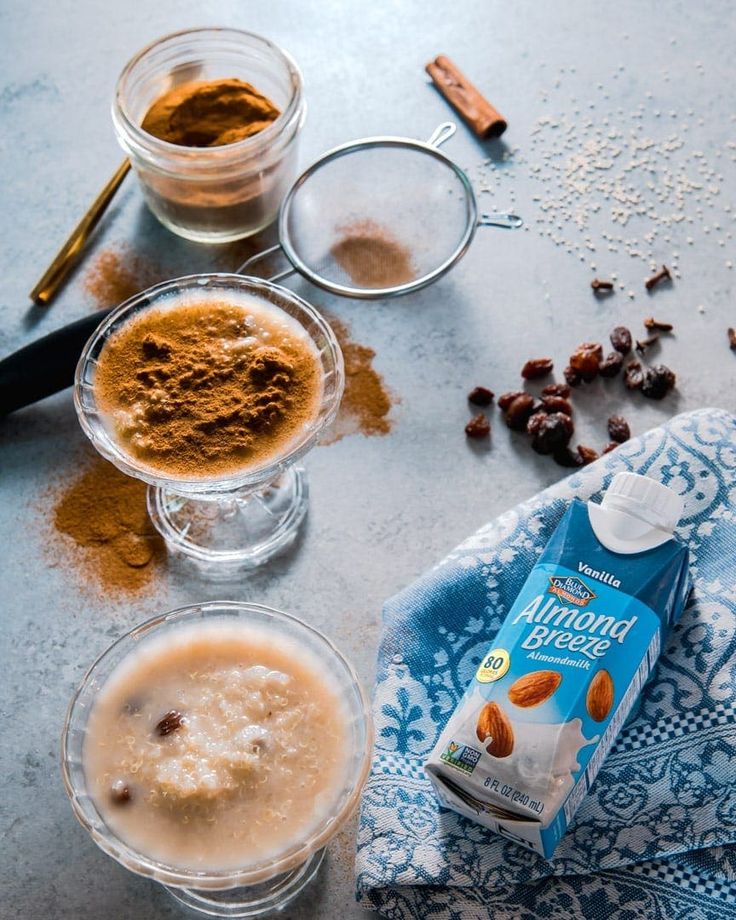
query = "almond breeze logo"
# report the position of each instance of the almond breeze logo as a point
(571, 589)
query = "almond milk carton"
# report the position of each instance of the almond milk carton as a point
(557, 683)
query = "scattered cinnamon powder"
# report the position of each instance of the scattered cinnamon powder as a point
(104, 513)
(371, 256)
(208, 386)
(366, 402)
(117, 274)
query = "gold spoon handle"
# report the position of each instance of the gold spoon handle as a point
(53, 277)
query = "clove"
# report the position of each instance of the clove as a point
(655, 326)
(656, 278)
(643, 344)
(599, 285)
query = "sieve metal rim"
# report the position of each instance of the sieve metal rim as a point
(408, 286)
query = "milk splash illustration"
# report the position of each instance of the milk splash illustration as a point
(544, 759)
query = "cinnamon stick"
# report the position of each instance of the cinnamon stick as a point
(472, 105)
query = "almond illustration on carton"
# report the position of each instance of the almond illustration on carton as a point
(534, 688)
(493, 723)
(599, 699)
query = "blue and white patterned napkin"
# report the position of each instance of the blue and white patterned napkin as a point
(655, 837)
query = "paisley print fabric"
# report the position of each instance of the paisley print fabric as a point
(655, 836)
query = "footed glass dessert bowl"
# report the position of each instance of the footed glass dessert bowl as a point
(217, 749)
(211, 388)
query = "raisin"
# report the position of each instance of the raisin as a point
(120, 792)
(655, 326)
(643, 344)
(618, 429)
(658, 381)
(633, 375)
(565, 457)
(612, 445)
(586, 360)
(535, 422)
(536, 368)
(170, 723)
(731, 337)
(552, 433)
(587, 454)
(611, 364)
(556, 389)
(621, 339)
(505, 399)
(478, 427)
(519, 411)
(593, 347)
(572, 377)
(480, 396)
(555, 404)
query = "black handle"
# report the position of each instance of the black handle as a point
(46, 365)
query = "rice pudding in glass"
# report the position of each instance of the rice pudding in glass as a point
(217, 749)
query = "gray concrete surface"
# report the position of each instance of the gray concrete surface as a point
(383, 509)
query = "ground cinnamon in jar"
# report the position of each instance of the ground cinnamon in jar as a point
(371, 256)
(209, 113)
(104, 513)
(204, 387)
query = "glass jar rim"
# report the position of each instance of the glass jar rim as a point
(106, 445)
(138, 862)
(222, 155)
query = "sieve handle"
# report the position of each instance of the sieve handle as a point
(442, 133)
(507, 221)
(247, 266)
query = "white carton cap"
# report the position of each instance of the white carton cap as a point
(645, 499)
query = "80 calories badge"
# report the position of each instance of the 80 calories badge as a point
(493, 667)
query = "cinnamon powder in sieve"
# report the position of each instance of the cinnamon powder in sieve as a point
(104, 513)
(208, 387)
(371, 256)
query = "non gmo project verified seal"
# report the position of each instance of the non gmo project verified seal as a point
(460, 756)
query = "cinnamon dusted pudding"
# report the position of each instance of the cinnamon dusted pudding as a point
(217, 745)
(208, 385)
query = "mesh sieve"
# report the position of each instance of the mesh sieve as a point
(379, 216)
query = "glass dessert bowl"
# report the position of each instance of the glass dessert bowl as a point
(210, 388)
(181, 757)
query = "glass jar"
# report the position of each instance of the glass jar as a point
(212, 194)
